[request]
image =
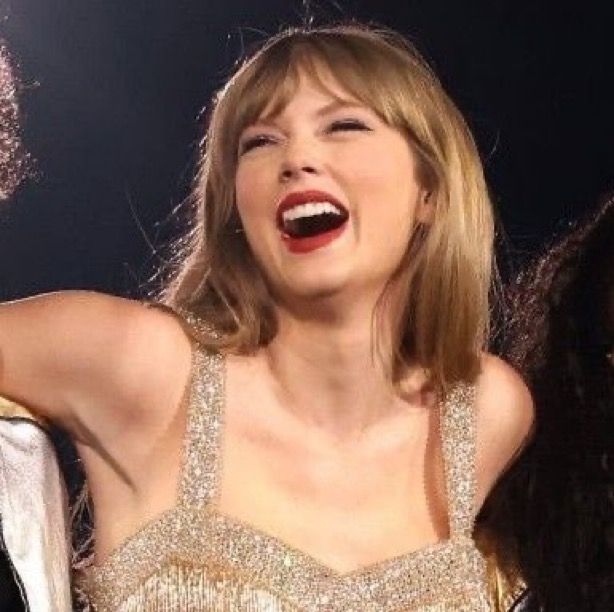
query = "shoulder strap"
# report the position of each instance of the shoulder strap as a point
(458, 434)
(204, 396)
(202, 443)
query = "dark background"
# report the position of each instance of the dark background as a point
(115, 87)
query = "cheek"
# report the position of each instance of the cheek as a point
(255, 197)
(386, 188)
(243, 186)
(387, 193)
(251, 191)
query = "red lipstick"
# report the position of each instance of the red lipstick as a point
(308, 243)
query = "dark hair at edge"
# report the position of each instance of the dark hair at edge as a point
(552, 514)
(15, 162)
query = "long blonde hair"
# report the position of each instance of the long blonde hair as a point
(445, 274)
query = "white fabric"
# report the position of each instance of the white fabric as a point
(33, 513)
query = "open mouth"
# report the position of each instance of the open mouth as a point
(311, 219)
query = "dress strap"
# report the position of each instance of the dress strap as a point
(201, 447)
(458, 434)
(204, 396)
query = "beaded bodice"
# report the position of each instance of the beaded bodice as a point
(194, 558)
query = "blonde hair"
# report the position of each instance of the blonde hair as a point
(445, 274)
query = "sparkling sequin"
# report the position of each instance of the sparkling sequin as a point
(195, 558)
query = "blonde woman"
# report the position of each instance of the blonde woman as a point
(318, 427)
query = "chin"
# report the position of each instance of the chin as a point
(317, 291)
(315, 287)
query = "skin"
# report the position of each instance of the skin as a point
(331, 460)
(327, 140)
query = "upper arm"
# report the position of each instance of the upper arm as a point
(505, 417)
(83, 359)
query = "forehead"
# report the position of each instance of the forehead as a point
(265, 86)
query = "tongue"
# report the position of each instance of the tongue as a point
(306, 227)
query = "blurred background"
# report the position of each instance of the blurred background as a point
(114, 90)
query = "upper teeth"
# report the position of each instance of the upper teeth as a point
(309, 209)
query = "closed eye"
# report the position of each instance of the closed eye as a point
(261, 140)
(349, 125)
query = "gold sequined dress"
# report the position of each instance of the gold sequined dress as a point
(196, 559)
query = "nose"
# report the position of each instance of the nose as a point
(299, 160)
(289, 173)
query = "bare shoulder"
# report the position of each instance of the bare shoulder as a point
(71, 312)
(69, 355)
(505, 416)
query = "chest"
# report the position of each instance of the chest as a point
(201, 535)
(346, 507)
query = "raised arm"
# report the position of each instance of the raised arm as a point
(91, 363)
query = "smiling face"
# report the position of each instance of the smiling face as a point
(327, 193)
(274, 142)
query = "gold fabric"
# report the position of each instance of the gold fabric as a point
(196, 559)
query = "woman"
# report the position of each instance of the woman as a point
(334, 289)
(34, 543)
(557, 502)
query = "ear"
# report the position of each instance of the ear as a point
(425, 208)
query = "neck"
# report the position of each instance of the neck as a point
(333, 371)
